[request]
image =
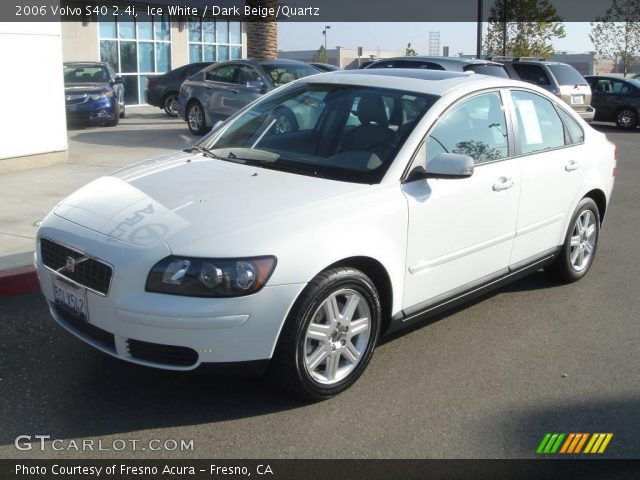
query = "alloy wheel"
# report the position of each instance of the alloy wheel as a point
(583, 240)
(195, 118)
(337, 336)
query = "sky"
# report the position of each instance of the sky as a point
(459, 36)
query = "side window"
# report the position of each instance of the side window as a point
(532, 74)
(574, 130)
(620, 88)
(475, 127)
(539, 125)
(603, 86)
(246, 74)
(222, 74)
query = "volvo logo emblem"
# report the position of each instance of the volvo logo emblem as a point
(70, 264)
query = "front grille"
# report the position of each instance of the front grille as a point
(87, 271)
(85, 329)
(76, 99)
(166, 354)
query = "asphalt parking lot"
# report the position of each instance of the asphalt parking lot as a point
(487, 380)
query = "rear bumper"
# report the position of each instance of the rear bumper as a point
(588, 114)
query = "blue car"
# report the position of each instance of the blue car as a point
(93, 93)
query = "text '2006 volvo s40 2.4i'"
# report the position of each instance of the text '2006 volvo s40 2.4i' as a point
(400, 192)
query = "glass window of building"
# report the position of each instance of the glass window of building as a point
(136, 48)
(214, 40)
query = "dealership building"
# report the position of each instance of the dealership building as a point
(136, 49)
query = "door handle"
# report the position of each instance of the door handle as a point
(503, 183)
(571, 166)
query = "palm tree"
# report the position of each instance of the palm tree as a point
(262, 37)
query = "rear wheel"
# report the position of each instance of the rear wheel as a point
(330, 335)
(170, 104)
(196, 119)
(579, 248)
(627, 118)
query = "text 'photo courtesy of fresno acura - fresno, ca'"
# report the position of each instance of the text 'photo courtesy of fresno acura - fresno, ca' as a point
(400, 192)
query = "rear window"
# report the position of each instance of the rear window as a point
(493, 70)
(532, 73)
(567, 75)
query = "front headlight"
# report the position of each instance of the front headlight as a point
(105, 94)
(204, 277)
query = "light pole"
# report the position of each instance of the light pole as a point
(324, 32)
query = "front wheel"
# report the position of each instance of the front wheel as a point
(579, 248)
(329, 336)
(196, 119)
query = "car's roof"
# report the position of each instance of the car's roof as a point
(102, 64)
(434, 82)
(609, 77)
(442, 60)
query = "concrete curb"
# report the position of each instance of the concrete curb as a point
(18, 281)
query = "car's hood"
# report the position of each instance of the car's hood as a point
(184, 198)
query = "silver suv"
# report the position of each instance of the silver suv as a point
(560, 79)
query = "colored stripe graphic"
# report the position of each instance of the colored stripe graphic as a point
(574, 443)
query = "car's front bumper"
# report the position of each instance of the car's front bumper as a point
(93, 111)
(164, 331)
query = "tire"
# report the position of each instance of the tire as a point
(196, 119)
(170, 104)
(286, 121)
(318, 354)
(626, 118)
(116, 117)
(581, 242)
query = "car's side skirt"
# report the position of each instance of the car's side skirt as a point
(471, 290)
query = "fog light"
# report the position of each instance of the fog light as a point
(102, 113)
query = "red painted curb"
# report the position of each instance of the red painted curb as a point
(18, 281)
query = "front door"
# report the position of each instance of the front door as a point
(461, 230)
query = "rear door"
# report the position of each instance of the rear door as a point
(549, 160)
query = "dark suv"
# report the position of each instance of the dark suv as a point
(452, 64)
(560, 79)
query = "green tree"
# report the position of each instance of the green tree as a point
(321, 55)
(617, 33)
(531, 26)
(410, 51)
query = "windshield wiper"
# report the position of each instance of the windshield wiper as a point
(279, 166)
(205, 151)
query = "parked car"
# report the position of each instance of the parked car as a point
(162, 90)
(616, 100)
(93, 93)
(561, 79)
(219, 91)
(324, 67)
(412, 191)
(453, 64)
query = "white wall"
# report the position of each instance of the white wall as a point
(33, 112)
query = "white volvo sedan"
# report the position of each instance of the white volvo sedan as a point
(392, 195)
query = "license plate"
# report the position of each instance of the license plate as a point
(70, 297)
(577, 99)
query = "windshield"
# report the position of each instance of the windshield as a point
(346, 133)
(567, 75)
(85, 74)
(281, 74)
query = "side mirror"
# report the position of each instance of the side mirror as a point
(118, 80)
(450, 165)
(256, 85)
